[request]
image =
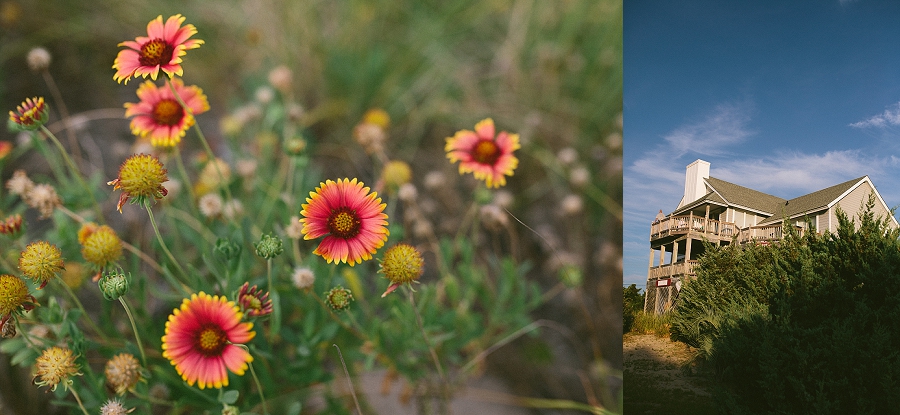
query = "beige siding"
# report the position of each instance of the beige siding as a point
(852, 203)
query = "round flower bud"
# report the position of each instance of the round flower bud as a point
(38, 59)
(269, 246)
(41, 261)
(402, 264)
(102, 246)
(13, 294)
(122, 372)
(338, 298)
(114, 285)
(395, 174)
(141, 176)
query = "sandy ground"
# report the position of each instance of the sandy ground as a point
(656, 381)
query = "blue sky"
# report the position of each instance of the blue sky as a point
(785, 97)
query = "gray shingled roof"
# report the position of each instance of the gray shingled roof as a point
(710, 197)
(746, 197)
(810, 202)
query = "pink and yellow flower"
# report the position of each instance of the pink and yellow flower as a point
(161, 49)
(160, 116)
(351, 219)
(201, 340)
(487, 157)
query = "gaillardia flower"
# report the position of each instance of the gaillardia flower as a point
(402, 264)
(41, 261)
(141, 176)
(254, 301)
(487, 157)
(162, 48)
(55, 366)
(30, 115)
(201, 340)
(160, 116)
(350, 218)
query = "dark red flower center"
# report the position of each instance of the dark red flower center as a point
(344, 223)
(486, 152)
(211, 340)
(156, 52)
(168, 112)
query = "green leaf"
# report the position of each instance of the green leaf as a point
(12, 345)
(229, 397)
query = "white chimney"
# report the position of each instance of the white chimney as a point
(693, 181)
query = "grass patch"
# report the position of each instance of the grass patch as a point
(647, 323)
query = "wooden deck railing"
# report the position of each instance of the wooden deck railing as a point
(677, 225)
(671, 270)
(764, 233)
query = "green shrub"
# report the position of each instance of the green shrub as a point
(633, 302)
(804, 326)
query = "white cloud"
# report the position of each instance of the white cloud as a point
(725, 126)
(890, 116)
(794, 174)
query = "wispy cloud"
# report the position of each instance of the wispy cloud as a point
(794, 174)
(890, 117)
(724, 126)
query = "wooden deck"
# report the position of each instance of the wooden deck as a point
(671, 270)
(682, 225)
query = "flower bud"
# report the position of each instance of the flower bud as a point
(338, 298)
(114, 285)
(269, 246)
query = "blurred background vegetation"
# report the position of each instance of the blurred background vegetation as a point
(548, 70)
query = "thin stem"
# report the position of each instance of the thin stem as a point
(74, 170)
(78, 399)
(162, 243)
(209, 152)
(137, 336)
(269, 273)
(179, 162)
(81, 307)
(349, 382)
(63, 112)
(434, 355)
(256, 380)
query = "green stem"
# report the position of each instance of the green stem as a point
(179, 162)
(162, 243)
(206, 147)
(269, 273)
(256, 380)
(78, 399)
(74, 171)
(137, 336)
(434, 356)
(81, 307)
